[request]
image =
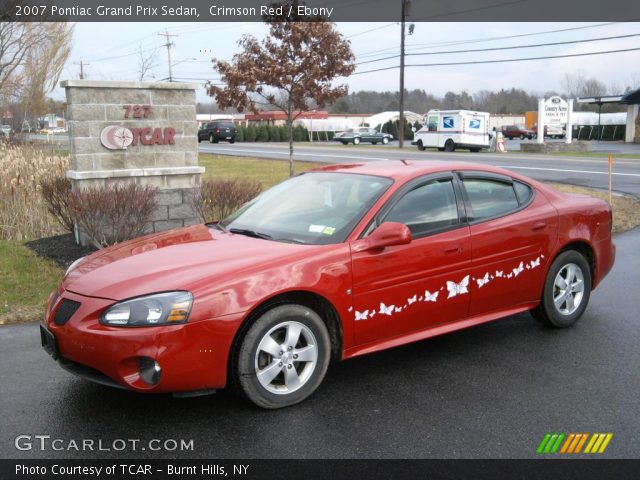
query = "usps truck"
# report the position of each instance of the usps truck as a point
(450, 129)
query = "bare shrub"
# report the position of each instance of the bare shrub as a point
(109, 215)
(56, 191)
(23, 211)
(218, 199)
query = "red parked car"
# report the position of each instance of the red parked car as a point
(334, 263)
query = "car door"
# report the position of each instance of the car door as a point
(412, 287)
(513, 230)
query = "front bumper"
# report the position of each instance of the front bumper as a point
(192, 356)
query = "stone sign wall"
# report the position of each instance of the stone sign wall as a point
(139, 132)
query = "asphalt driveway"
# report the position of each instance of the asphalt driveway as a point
(491, 391)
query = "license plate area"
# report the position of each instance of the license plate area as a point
(48, 342)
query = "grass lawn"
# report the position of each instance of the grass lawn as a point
(267, 172)
(26, 281)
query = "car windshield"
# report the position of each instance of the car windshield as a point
(316, 208)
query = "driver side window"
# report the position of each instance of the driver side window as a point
(427, 208)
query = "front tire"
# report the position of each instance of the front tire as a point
(283, 357)
(449, 146)
(356, 141)
(566, 291)
(385, 140)
(421, 147)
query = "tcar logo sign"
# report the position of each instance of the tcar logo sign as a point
(447, 122)
(115, 137)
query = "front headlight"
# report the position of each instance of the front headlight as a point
(159, 309)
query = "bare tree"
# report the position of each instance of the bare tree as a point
(17, 39)
(146, 63)
(41, 68)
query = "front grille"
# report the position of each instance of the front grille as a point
(65, 311)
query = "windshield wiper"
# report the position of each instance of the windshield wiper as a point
(251, 233)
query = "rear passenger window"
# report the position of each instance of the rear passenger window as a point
(523, 191)
(489, 198)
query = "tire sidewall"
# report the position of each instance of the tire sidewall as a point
(246, 375)
(554, 317)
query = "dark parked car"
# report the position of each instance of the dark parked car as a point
(518, 131)
(218, 130)
(362, 134)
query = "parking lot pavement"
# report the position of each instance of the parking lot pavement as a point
(491, 391)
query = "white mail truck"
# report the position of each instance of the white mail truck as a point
(450, 129)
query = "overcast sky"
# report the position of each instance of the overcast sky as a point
(110, 48)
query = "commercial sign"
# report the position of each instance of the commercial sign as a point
(117, 137)
(556, 111)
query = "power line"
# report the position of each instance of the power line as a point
(499, 61)
(513, 47)
(372, 53)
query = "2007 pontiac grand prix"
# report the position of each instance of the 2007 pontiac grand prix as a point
(331, 264)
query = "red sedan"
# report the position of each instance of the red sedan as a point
(334, 263)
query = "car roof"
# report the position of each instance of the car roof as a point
(405, 169)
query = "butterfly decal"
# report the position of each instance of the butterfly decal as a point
(412, 299)
(535, 263)
(362, 315)
(372, 314)
(398, 309)
(483, 281)
(458, 288)
(430, 297)
(350, 309)
(499, 273)
(518, 270)
(386, 310)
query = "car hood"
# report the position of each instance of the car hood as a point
(174, 260)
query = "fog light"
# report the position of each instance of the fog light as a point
(149, 370)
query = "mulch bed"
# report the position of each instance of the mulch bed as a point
(62, 249)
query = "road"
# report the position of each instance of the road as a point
(492, 391)
(585, 171)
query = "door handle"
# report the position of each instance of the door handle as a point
(539, 225)
(454, 249)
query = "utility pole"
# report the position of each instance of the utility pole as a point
(168, 45)
(406, 6)
(82, 65)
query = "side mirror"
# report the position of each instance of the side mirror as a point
(386, 235)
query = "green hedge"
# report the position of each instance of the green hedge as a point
(271, 133)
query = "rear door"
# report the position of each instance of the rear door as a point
(512, 232)
(412, 287)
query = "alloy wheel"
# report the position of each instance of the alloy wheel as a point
(286, 357)
(568, 289)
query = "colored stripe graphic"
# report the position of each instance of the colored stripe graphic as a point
(573, 443)
(550, 443)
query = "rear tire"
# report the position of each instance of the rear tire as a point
(449, 146)
(566, 292)
(345, 143)
(283, 357)
(356, 141)
(374, 143)
(233, 140)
